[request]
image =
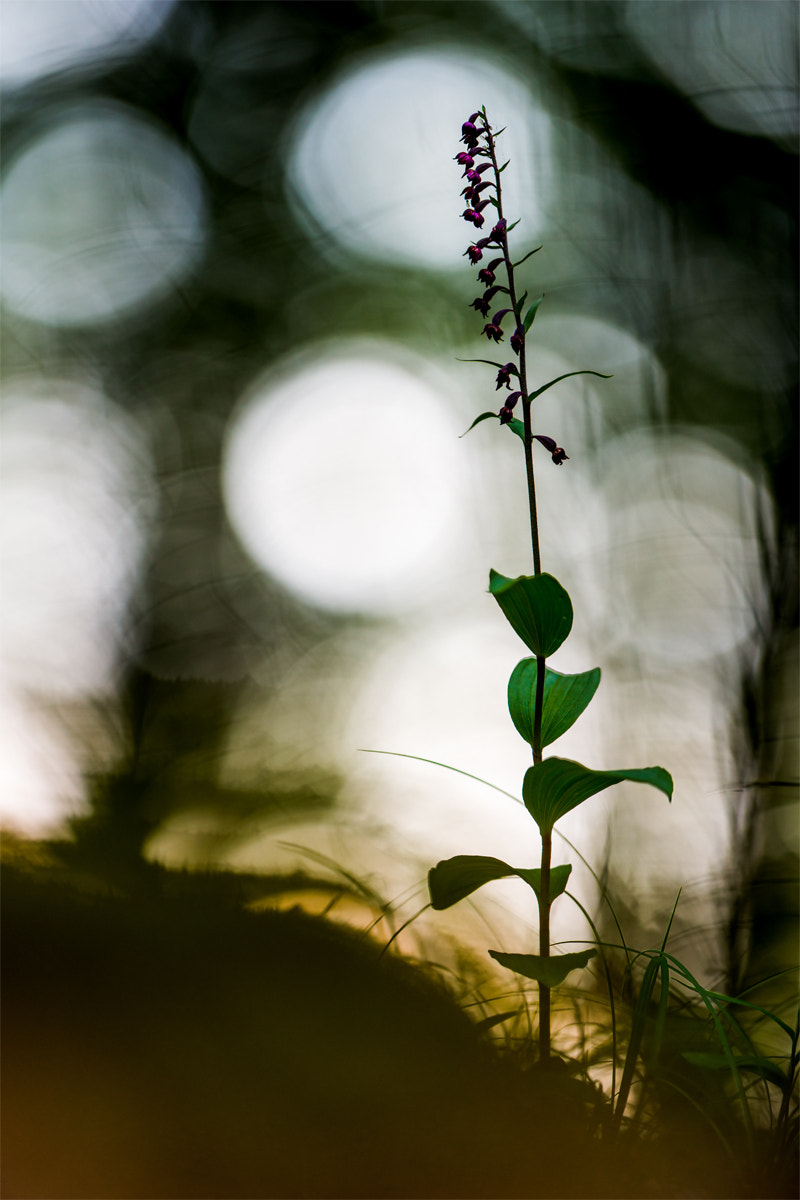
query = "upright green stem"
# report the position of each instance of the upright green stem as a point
(547, 838)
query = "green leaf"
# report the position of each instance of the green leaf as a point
(565, 698)
(520, 302)
(487, 361)
(531, 313)
(517, 427)
(556, 786)
(495, 1019)
(505, 164)
(483, 417)
(513, 225)
(549, 971)
(527, 256)
(536, 607)
(569, 374)
(755, 1063)
(454, 878)
(559, 877)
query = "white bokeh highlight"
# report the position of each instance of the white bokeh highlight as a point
(42, 36)
(341, 479)
(372, 155)
(101, 213)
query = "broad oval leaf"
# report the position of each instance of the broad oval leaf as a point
(454, 878)
(536, 607)
(565, 698)
(556, 786)
(549, 971)
(558, 880)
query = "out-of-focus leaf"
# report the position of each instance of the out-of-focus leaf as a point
(763, 1067)
(536, 607)
(565, 698)
(549, 971)
(496, 1019)
(556, 786)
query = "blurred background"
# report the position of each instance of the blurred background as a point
(242, 541)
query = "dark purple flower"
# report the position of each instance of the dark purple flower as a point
(465, 159)
(508, 407)
(486, 275)
(475, 253)
(473, 191)
(473, 174)
(504, 375)
(499, 231)
(518, 339)
(470, 132)
(472, 214)
(550, 445)
(493, 330)
(481, 304)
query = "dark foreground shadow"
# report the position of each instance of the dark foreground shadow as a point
(180, 1046)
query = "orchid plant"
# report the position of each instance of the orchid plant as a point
(543, 702)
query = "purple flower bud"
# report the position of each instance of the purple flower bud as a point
(518, 339)
(504, 375)
(475, 116)
(549, 444)
(499, 231)
(505, 415)
(465, 159)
